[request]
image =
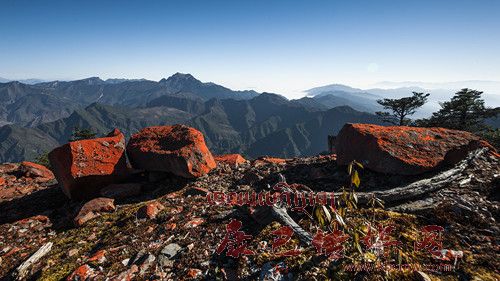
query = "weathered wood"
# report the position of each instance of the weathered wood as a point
(398, 194)
(21, 271)
(281, 215)
(422, 187)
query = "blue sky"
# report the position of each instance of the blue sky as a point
(278, 46)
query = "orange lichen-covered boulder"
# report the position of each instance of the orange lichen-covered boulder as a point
(37, 171)
(403, 150)
(230, 159)
(83, 167)
(178, 149)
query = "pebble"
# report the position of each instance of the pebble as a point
(167, 253)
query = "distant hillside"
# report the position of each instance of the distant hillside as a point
(354, 100)
(24, 81)
(30, 105)
(309, 137)
(18, 143)
(266, 124)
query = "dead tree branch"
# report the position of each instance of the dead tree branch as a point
(422, 187)
(22, 271)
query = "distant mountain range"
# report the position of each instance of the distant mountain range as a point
(30, 105)
(366, 100)
(36, 118)
(24, 81)
(39, 117)
(492, 87)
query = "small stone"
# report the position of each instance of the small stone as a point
(150, 210)
(36, 171)
(72, 252)
(170, 250)
(7, 168)
(136, 259)
(167, 253)
(193, 273)
(5, 250)
(230, 159)
(195, 222)
(145, 262)
(93, 208)
(268, 160)
(128, 274)
(40, 218)
(81, 273)
(98, 257)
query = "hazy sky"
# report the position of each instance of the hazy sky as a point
(278, 46)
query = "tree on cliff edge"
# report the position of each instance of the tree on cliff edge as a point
(401, 108)
(465, 111)
(82, 134)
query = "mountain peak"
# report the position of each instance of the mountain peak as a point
(271, 96)
(180, 77)
(92, 81)
(332, 88)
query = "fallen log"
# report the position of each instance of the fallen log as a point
(422, 187)
(404, 193)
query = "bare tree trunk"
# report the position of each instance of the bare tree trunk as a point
(422, 187)
(402, 193)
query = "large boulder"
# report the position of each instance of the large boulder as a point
(83, 167)
(403, 150)
(177, 149)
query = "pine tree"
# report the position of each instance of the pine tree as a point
(465, 111)
(82, 134)
(401, 108)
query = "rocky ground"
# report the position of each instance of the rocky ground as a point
(161, 227)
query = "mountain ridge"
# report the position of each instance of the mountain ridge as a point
(243, 122)
(229, 126)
